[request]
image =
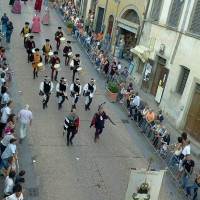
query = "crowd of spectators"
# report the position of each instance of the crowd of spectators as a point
(9, 167)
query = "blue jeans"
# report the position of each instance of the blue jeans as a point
(131, 110)
(8, 35)
(173, 160)
(194, 187)
(185, 179)
(4, 163)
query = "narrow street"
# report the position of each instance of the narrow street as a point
(86, 170)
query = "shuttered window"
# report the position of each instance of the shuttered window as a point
(175, 13)
(182, 80)
(156, 9)
(195, 24)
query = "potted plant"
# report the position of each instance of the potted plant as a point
(69, 26)
(142, 192)
(112, 91)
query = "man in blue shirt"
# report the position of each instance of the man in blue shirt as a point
(4, 22)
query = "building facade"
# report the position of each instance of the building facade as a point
(118, 17)
(168, 68)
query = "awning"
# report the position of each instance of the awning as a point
(141, 51)
(127, 25)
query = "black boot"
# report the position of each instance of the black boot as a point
(86, 108)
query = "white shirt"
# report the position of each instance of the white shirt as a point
(6, 140)
(119, 67)
(25, 116)
(85, 88)
(5, 98)
(9, 184)
(13, 197)
(5, 113)
(186, 150)
(136, 101)
(72, 88)
(9, 151)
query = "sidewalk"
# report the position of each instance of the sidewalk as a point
(150, 99)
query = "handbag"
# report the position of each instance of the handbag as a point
(41, 93)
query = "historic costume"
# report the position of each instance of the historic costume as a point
(74, 65)
(98, 122)
(58, 35)
(67, 49)
(16, 8)
(30, 45)
(38, 5)
(46, 88)
(54, 60)
(46, 49)
(46, 17)
(71, 124)
(88, 92)
(75, 89)
(25, 31)
(36, 24)
(36, 58)
(61, 92)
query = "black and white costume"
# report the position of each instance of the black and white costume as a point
(46, 88)
(67, 49)
(75, 89)
(61, 92)
(89, 90)
(74, 65)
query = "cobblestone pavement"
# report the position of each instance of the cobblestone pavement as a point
(86, 170)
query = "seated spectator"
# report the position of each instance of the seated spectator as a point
(121, 89)
(125, 72)
(19, 176)
(159, 116)
(158, 135)
(165, 140)
(144, 112)
(9, 184)
(11, 150)
(134, 104)
(17, 195)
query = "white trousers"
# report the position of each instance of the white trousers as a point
(23, 130)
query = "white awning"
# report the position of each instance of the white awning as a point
(141, 51)
(127, 25)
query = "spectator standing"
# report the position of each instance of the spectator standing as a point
(25, 118)
(134, 104)
(188, 165)
(4, 22)
(9, 184)
(9, 30)
(87, 24)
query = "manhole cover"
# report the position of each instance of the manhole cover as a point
(125, 121)
(33, 192)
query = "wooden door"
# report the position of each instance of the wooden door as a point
(160, 78)
(110, 24)
(192, 125)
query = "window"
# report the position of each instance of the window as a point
(155, 11)
(175, 13)
(195, 24)
(182, 80)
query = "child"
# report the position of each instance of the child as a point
(19, 176)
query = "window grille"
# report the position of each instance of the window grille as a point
(195, 25)
(183, 80)
(175, 13)
(156, 9)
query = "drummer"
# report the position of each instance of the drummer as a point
(36, 58)
(67, 49)
(74, 65)
(46, 49)
(30, 45)
(25, 30)
(58, 35)
(53, 61)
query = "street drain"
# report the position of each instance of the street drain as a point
(33, 192)
(125, 121)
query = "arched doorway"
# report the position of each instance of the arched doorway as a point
(110, 24)
(132, 16)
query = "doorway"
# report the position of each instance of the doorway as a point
(160, 76)
(110, 24)
(192, 125)
(99, 20)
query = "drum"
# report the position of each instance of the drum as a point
(70, 54)
(26, 35)
(41, 66)
(57, 67)
(80, 70)
(33, 50)
(50, 53)
(62, 40)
